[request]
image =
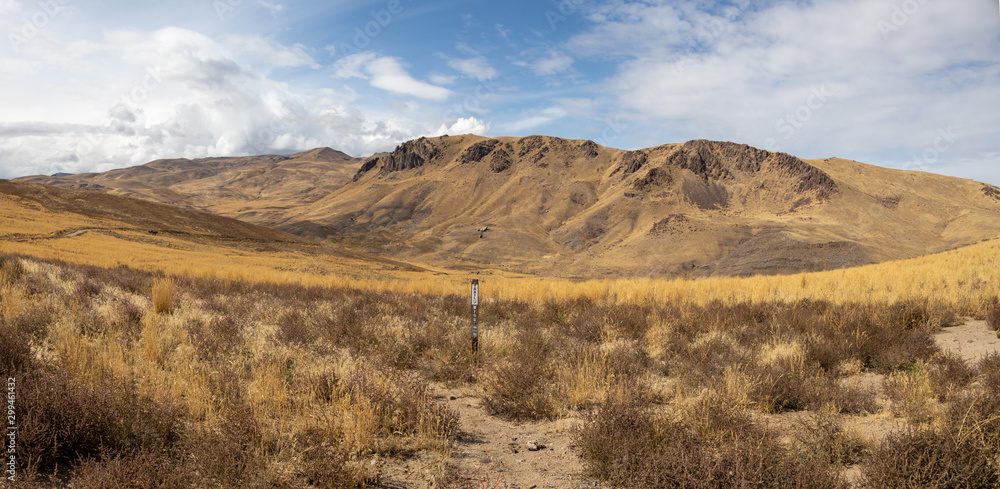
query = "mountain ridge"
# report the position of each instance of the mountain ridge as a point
(574, 208)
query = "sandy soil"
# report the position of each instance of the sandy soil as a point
(972, 340)
(493, 452)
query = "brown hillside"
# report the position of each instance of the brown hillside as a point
(109, 230)
(576, 209)
(229, 186)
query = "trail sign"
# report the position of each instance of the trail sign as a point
(475, 316)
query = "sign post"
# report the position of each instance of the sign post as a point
(475, 316)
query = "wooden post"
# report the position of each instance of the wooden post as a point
(475, 316)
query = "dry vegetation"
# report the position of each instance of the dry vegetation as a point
(131, 378)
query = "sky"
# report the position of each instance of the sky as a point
(92, 86)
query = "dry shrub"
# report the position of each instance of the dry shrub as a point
(706, 357)
(822, 435)
(852, 399)
(777, 390)
(64, 421)
(588, 370)
(948, 373)
(993, 314)
(451, 357)
(909, 392)
(403, 405)
(217, 338)
(628, 320)
(521, 386)
(232, 454)
(135, 469)
(86, 290)
(294, 329)
(11, 269)
(928, 458)
(129, 320)
(164, 296)
(625, 443)
(15, 349)
(324, 463)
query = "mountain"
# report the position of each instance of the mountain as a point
(109, 230)
(573, 208)
(247, 188)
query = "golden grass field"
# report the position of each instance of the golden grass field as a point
(964, 278)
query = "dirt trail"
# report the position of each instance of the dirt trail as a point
(494, 453)
(972, 340)
(523, 455)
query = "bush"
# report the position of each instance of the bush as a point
(993, 314)
(928, 458)
(522, 386)
(15, 350)
(823, 436)
(64, 421)
(626, 444)
(11, 269)
(135, 469)
(164, 296)
(947, 374)
(325, 464)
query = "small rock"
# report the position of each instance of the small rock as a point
(452, 398)
(534, 446)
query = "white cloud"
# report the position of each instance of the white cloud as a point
(554, 64)
(353, 66)
(272, 7)
(469, 125)
(536, 119)
(478, 67)
(439, 79)
(388, 74)
(271, 51)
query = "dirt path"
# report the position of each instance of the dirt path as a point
(972, 340)
(522, 455)
(495, 453)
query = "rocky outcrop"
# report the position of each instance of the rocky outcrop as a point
(633, 161)
(407, 156)
(713, 160)
(478, 151)
(501, 158)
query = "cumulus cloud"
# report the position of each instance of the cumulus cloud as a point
(478, 67)
(553, 64)
(271, 51)
(469, 125)
(388, 73)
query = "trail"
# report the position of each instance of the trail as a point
(492, 452)
(971, 340)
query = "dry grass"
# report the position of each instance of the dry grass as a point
(964, 281)
(306, 383)
(163, 297)
(210, 395)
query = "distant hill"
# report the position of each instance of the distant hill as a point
(577, 209)
(229, 186)
(109, 230)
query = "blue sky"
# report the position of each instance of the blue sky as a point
(88, 86)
